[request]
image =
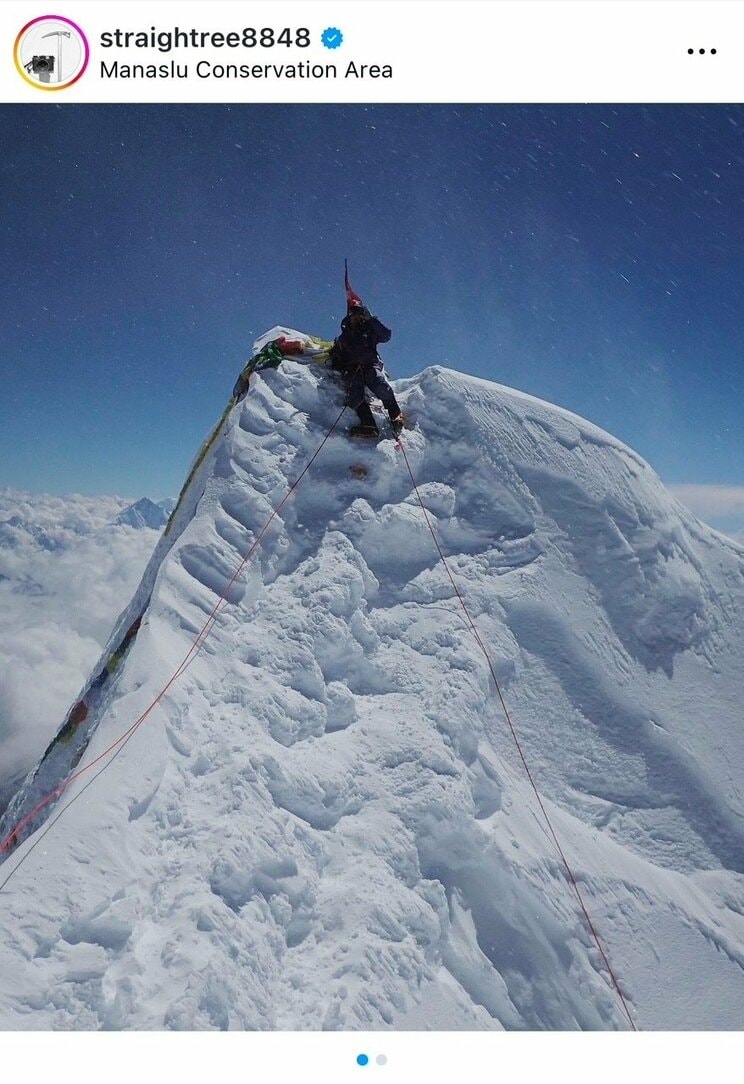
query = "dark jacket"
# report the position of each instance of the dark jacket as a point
(361, 333)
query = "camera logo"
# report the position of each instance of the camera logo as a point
(51, 52)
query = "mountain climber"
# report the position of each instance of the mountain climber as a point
(354, 355)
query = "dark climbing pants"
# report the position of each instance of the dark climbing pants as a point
(372, 377)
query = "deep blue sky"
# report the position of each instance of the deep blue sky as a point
(590, 255)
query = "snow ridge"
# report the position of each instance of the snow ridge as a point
(325, 824)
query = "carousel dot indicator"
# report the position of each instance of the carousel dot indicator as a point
(381, 1059)
(362, 1059)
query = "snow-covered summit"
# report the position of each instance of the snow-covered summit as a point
(324, 822)
(144, 513)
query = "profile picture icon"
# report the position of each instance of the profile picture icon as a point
(51, 52)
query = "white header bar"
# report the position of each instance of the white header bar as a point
(374, 51)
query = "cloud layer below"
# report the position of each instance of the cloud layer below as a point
(720, 506)
(65, 574)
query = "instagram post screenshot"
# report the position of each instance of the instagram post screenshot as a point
(372, 540)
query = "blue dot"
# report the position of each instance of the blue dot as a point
(362, 1059)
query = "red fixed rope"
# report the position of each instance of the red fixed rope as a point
(11, 838)
(474, 629)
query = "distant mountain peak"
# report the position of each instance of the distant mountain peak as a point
(143, 513)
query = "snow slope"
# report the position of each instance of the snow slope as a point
(324, 823)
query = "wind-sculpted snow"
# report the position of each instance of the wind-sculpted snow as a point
(325, 823)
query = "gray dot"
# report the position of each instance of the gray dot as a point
(381, 1059)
